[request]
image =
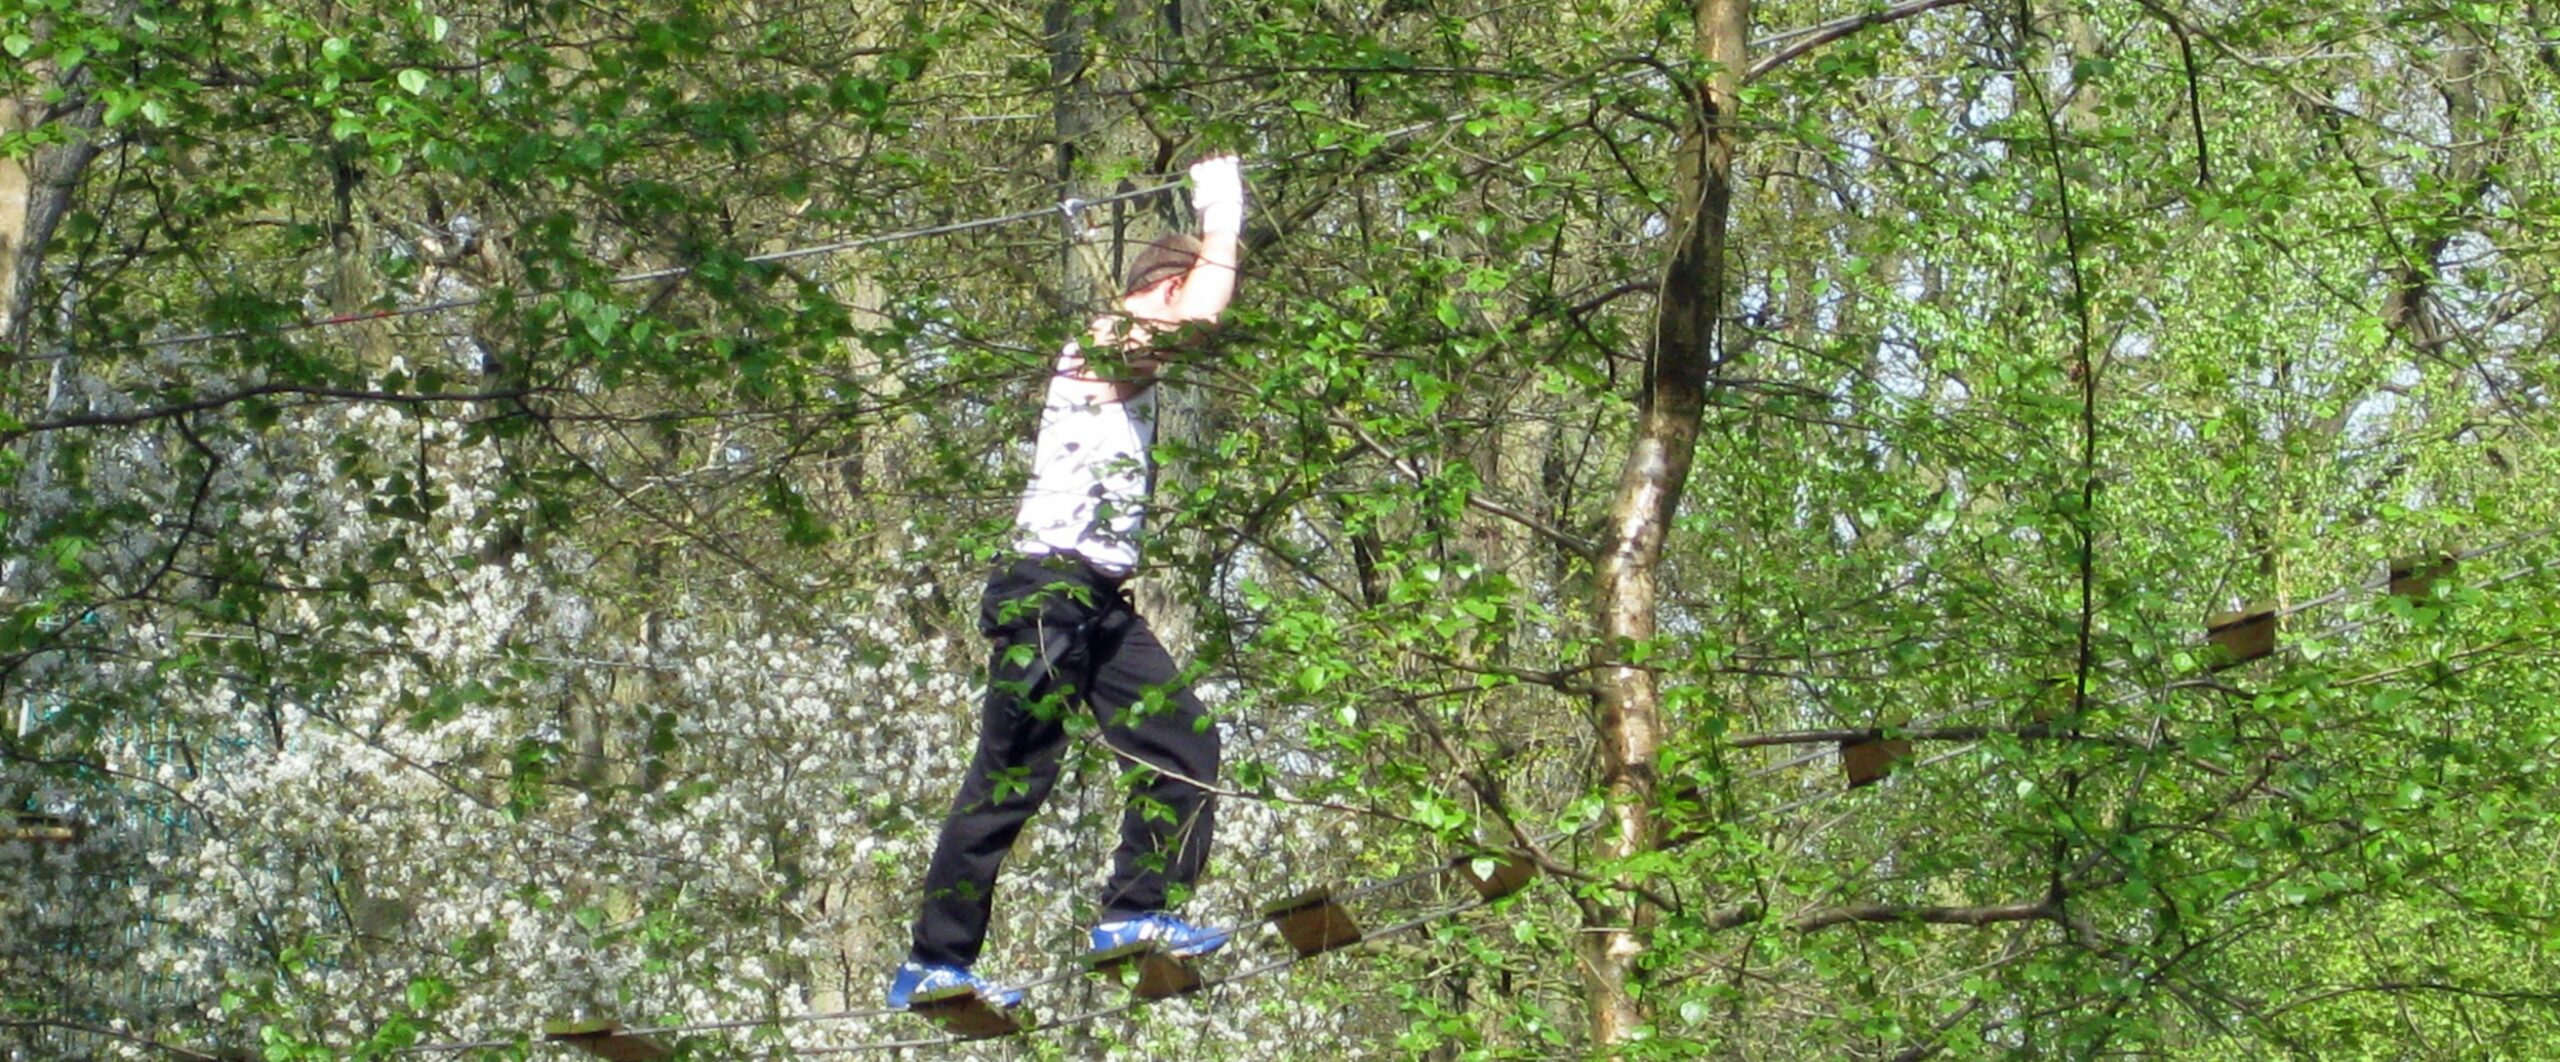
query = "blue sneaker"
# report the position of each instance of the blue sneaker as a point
(1180, 938)
(920, 978)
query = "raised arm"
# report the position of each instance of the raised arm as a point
(1158, 306)
(1217, 195)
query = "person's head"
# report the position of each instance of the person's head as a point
(1156, 274)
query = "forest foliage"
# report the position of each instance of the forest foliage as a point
(493, 497)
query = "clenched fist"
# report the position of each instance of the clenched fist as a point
(1217, 193)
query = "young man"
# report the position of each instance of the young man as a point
(1065, 635)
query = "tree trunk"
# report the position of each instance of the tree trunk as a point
(1089, 67)
(34, 195)
(2466, 174)
(1673, 404)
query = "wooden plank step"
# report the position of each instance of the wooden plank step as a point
(1148, 969)
(964, 1013)
(1313, 923)
(1868, 762)
(33, 827)
(606, 1040)
(2415, 576)
(2239, 637)
(1495, 875)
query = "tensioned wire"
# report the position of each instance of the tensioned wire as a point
(1273, 965)
(2291, 647)
(1065, 206)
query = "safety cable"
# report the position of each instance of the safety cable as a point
(1446, 866)
(1069, 207)
(1242, 974)
(854, 243)
(1273, 965)
(2334, 630)
(666, 273)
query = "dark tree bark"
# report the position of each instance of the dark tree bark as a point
(1093, 68)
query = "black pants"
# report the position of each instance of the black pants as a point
(1066, 637)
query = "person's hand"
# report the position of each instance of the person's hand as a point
(1217, 193)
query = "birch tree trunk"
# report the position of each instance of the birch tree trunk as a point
(1628, 704)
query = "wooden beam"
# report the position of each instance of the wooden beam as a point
(2239, 637)
(1869, 761)
(2415, 576)
(1157, 973)
(1313, 923)
(36, 828)
(964, 1013)
(606, 1040)
(1495, 875)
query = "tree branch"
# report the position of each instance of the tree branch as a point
(1836, 30)
(2195, 99)
(2033, 731)
(1475, 500)
(2396, 987)
(1743, 914)
(171, 1050)
(2040, 910)
(346, 394)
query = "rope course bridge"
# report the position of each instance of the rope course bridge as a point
(1311, 923)
(2230, 640)
(1322, 920)
(1319, 921)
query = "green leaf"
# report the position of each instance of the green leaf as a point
(120, 106)
(426, 993)
(414, 81)
(600, 322)
(66, 552)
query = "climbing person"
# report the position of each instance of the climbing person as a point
(1066, 637)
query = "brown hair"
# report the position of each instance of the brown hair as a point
(1168, 256)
